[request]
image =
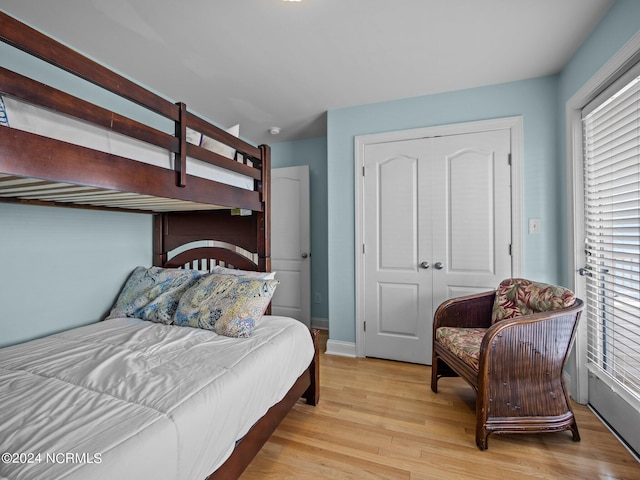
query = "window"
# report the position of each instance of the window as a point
(611, 127)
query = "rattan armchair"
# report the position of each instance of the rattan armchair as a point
(511, 346)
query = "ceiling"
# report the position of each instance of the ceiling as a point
(266, 63)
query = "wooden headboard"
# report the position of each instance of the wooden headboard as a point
(238, 234)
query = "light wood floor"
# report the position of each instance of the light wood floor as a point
(380, 420)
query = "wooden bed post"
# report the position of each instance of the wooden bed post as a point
(159, 254)
(264, 217)
(181, 155)
(312, 394)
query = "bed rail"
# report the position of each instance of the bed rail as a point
(28, 155)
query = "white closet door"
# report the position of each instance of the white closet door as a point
(437, 224)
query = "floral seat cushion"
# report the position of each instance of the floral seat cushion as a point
(464, 343)
(516, 297)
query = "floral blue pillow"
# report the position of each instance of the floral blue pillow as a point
(228, 304)
(4, 120)
(153, 293)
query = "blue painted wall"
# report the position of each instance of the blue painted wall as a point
(620, 23)
(312, 152)
(63, 267)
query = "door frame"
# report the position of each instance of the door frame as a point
(514, 124)
(621, 61)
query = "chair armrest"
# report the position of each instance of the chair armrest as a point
(468, 311)
(509, 342)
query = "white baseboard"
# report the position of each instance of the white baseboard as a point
(340, 348)
(321, 323)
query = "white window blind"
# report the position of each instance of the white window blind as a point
(612, 234)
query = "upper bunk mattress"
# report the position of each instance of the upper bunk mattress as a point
(127, 398)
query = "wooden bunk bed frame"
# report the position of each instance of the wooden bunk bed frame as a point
(186, 208)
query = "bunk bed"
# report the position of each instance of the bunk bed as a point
(81, 155)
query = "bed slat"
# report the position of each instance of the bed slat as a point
(209, 257)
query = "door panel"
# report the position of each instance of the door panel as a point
(444, 201)
(288, 301)
(456, 291)
(398, 309)
(470, 202)
(397, 212)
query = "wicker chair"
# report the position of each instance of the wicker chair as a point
(511, 346)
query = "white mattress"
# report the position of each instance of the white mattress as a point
(33, 119)
(130, 399)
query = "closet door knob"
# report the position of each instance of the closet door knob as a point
(305, 255)
(438, 266)
(424, 265)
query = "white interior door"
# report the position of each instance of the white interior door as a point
(437, 224)
(290, 242)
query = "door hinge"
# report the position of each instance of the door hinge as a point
(365, 325)
(363, 248)
(509, 159)
(510, 250)
(363, 170)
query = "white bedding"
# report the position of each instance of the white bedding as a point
(131, 399)
(42, 121)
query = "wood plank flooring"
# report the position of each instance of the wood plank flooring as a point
(380, 420)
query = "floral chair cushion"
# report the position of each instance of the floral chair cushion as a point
(516, 297)
(464, 343)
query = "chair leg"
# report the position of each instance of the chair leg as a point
(574, 431)
(482, 436)
(434, 375)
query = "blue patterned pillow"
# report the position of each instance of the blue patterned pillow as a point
(4, 120)
(153, 293)
(228, 304)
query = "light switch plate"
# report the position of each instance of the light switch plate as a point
(534, 226)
